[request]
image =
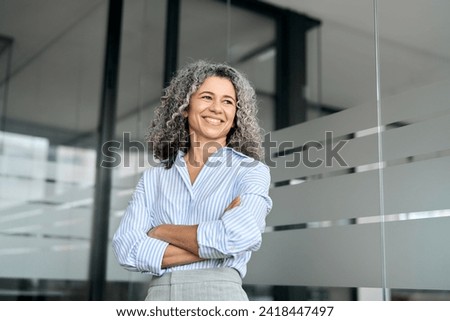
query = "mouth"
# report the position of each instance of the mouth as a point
(213, 121)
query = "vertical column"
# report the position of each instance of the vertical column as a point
(107, 122)
(172, 35)
(291, 62)
(5, 68)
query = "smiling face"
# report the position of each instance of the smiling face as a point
(211, 111)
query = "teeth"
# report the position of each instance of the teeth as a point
(213, 121)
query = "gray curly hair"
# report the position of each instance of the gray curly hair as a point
(169, 130)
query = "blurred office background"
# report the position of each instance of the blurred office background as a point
(375, 73)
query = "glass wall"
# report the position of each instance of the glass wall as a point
(368, 223)
(320, 202)
(371, 224)
(414, 52)
(48, 146)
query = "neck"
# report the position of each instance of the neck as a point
(199, 152)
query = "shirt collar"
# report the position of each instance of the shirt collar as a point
(226, 149)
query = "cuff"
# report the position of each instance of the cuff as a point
(149, 256)
(211, 240)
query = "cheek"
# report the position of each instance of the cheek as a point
(233, 116)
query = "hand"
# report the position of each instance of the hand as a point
(152, 232)
(234, 203)
(182, 236)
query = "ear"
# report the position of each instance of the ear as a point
(184, 113)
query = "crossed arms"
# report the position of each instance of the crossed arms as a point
(140, 245)
(183, 244)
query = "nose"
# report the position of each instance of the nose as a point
(215, 106)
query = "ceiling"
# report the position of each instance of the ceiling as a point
(415, 24)
(414, 45)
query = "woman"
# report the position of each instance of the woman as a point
(193, 221)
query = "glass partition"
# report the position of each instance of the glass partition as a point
(325, 201)
(414, 51)
(48, 146)
(360, 185)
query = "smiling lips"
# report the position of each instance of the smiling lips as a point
(212, 121)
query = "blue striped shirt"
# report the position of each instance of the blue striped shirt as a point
(166, 196)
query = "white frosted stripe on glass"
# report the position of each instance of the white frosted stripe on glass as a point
(20, 210)
(340, 197)
(69, 223)
(420, 102)
(115, 272)
(419, 186)
(37, 169)
(71, 173)
(348, 256)
(358, 151)
(345, 122)
(114, 222)
(70, 196)
(126, 181)
(43, 214)
(43, 219)
(19, 189)
(419, 138)
(413, 187)
(33, 258)
(417, 103)
(22, 167)
(418, 255)
(39, 191)
(120, 201)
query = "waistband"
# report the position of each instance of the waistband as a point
(195, 276)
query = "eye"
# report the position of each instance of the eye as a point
(206, 97)
(229, 102)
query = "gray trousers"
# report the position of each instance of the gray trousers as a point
(218, 284)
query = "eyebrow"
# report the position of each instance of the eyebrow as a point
(211, 93)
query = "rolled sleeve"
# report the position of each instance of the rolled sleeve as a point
(133, 249)
(149, 256)
(211, 240)
(239, 229)
(139, 253)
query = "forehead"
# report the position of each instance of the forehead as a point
(218, 85)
